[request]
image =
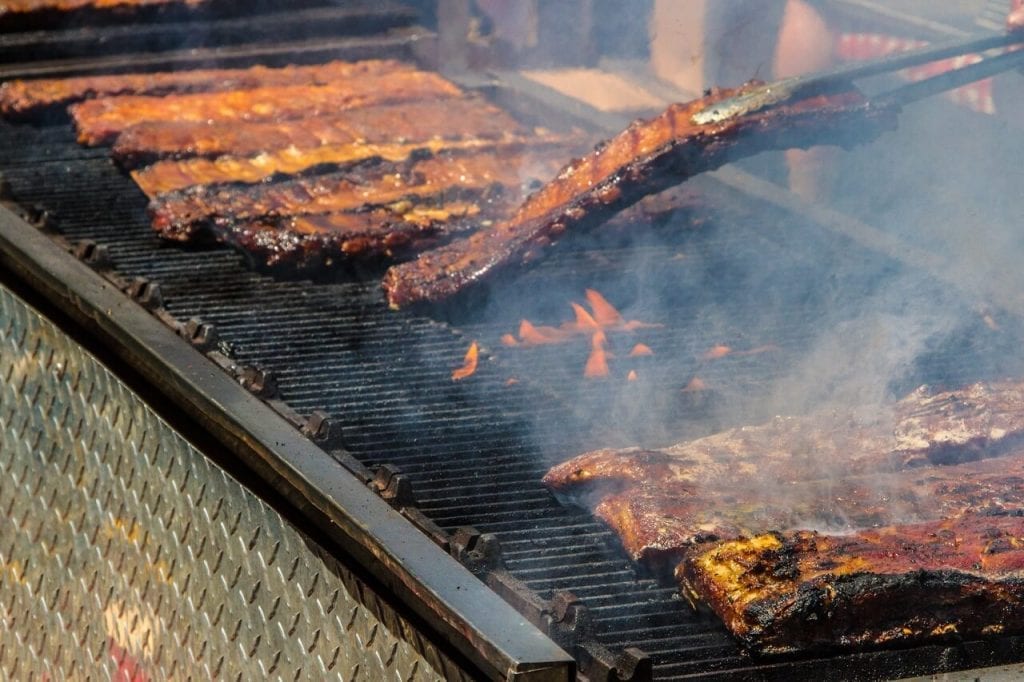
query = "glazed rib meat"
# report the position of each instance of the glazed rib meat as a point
(956, 578)
(409, 122)
(26, 98)
(925, 427)
(179, 215)
(168, 176)
(310, 243)
(645, 158)
(660, 524)
(99, 121)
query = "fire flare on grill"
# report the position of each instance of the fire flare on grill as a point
(469, 363)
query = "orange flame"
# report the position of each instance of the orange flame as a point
(604, 312)
(640, 349)
(716, 352)
(512, 381)
(601, 316)
(631, 376)
(468, 364)
(584, 320)
(597, 363)
(538, 336)
(695, 386)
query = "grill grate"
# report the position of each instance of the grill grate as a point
(476, 450)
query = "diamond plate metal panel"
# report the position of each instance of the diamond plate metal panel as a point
(126, 554)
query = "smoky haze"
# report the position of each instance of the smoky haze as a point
(764, 311)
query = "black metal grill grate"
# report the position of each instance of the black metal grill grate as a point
(476, 450)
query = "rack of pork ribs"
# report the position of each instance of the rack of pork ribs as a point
(306, 167)
(833, 531)
(309, 167)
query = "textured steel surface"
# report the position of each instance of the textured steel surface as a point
(126, 554)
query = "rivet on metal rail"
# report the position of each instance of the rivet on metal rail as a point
(200, 334)
(322, 430)
(146, 293)
(393, 486)
(479, 552)
(95, 255)
(260, 382)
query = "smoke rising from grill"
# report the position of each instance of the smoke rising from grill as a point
(851, 329)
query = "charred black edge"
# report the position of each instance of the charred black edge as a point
(822, 601)
(670, 165)
(268, 246)
(495, 638)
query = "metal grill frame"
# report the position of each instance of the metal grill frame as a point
(442, 593)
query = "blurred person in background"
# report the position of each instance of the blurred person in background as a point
(698, 44)
(1015, 20)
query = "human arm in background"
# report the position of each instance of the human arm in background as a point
(1015, 19)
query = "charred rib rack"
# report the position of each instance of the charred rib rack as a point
(316, 242)
(99, 121)
(957, 578)
(647, 157)
(28, 98)
(410, 122)
(178, 215)
(947, 461)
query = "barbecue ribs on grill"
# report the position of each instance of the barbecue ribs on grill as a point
(449, 119)
(936, 462)
(168, 176)
(647, 157)
(25, 99)
(446, 177)
(780, 592)
(99, 121)
(925, 427)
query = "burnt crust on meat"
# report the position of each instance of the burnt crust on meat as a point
(783, 592)
(647, 157)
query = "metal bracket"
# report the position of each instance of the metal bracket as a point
(479, 552)
(96, 256)
(393, 486)
(323, 430)
(146, 293)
